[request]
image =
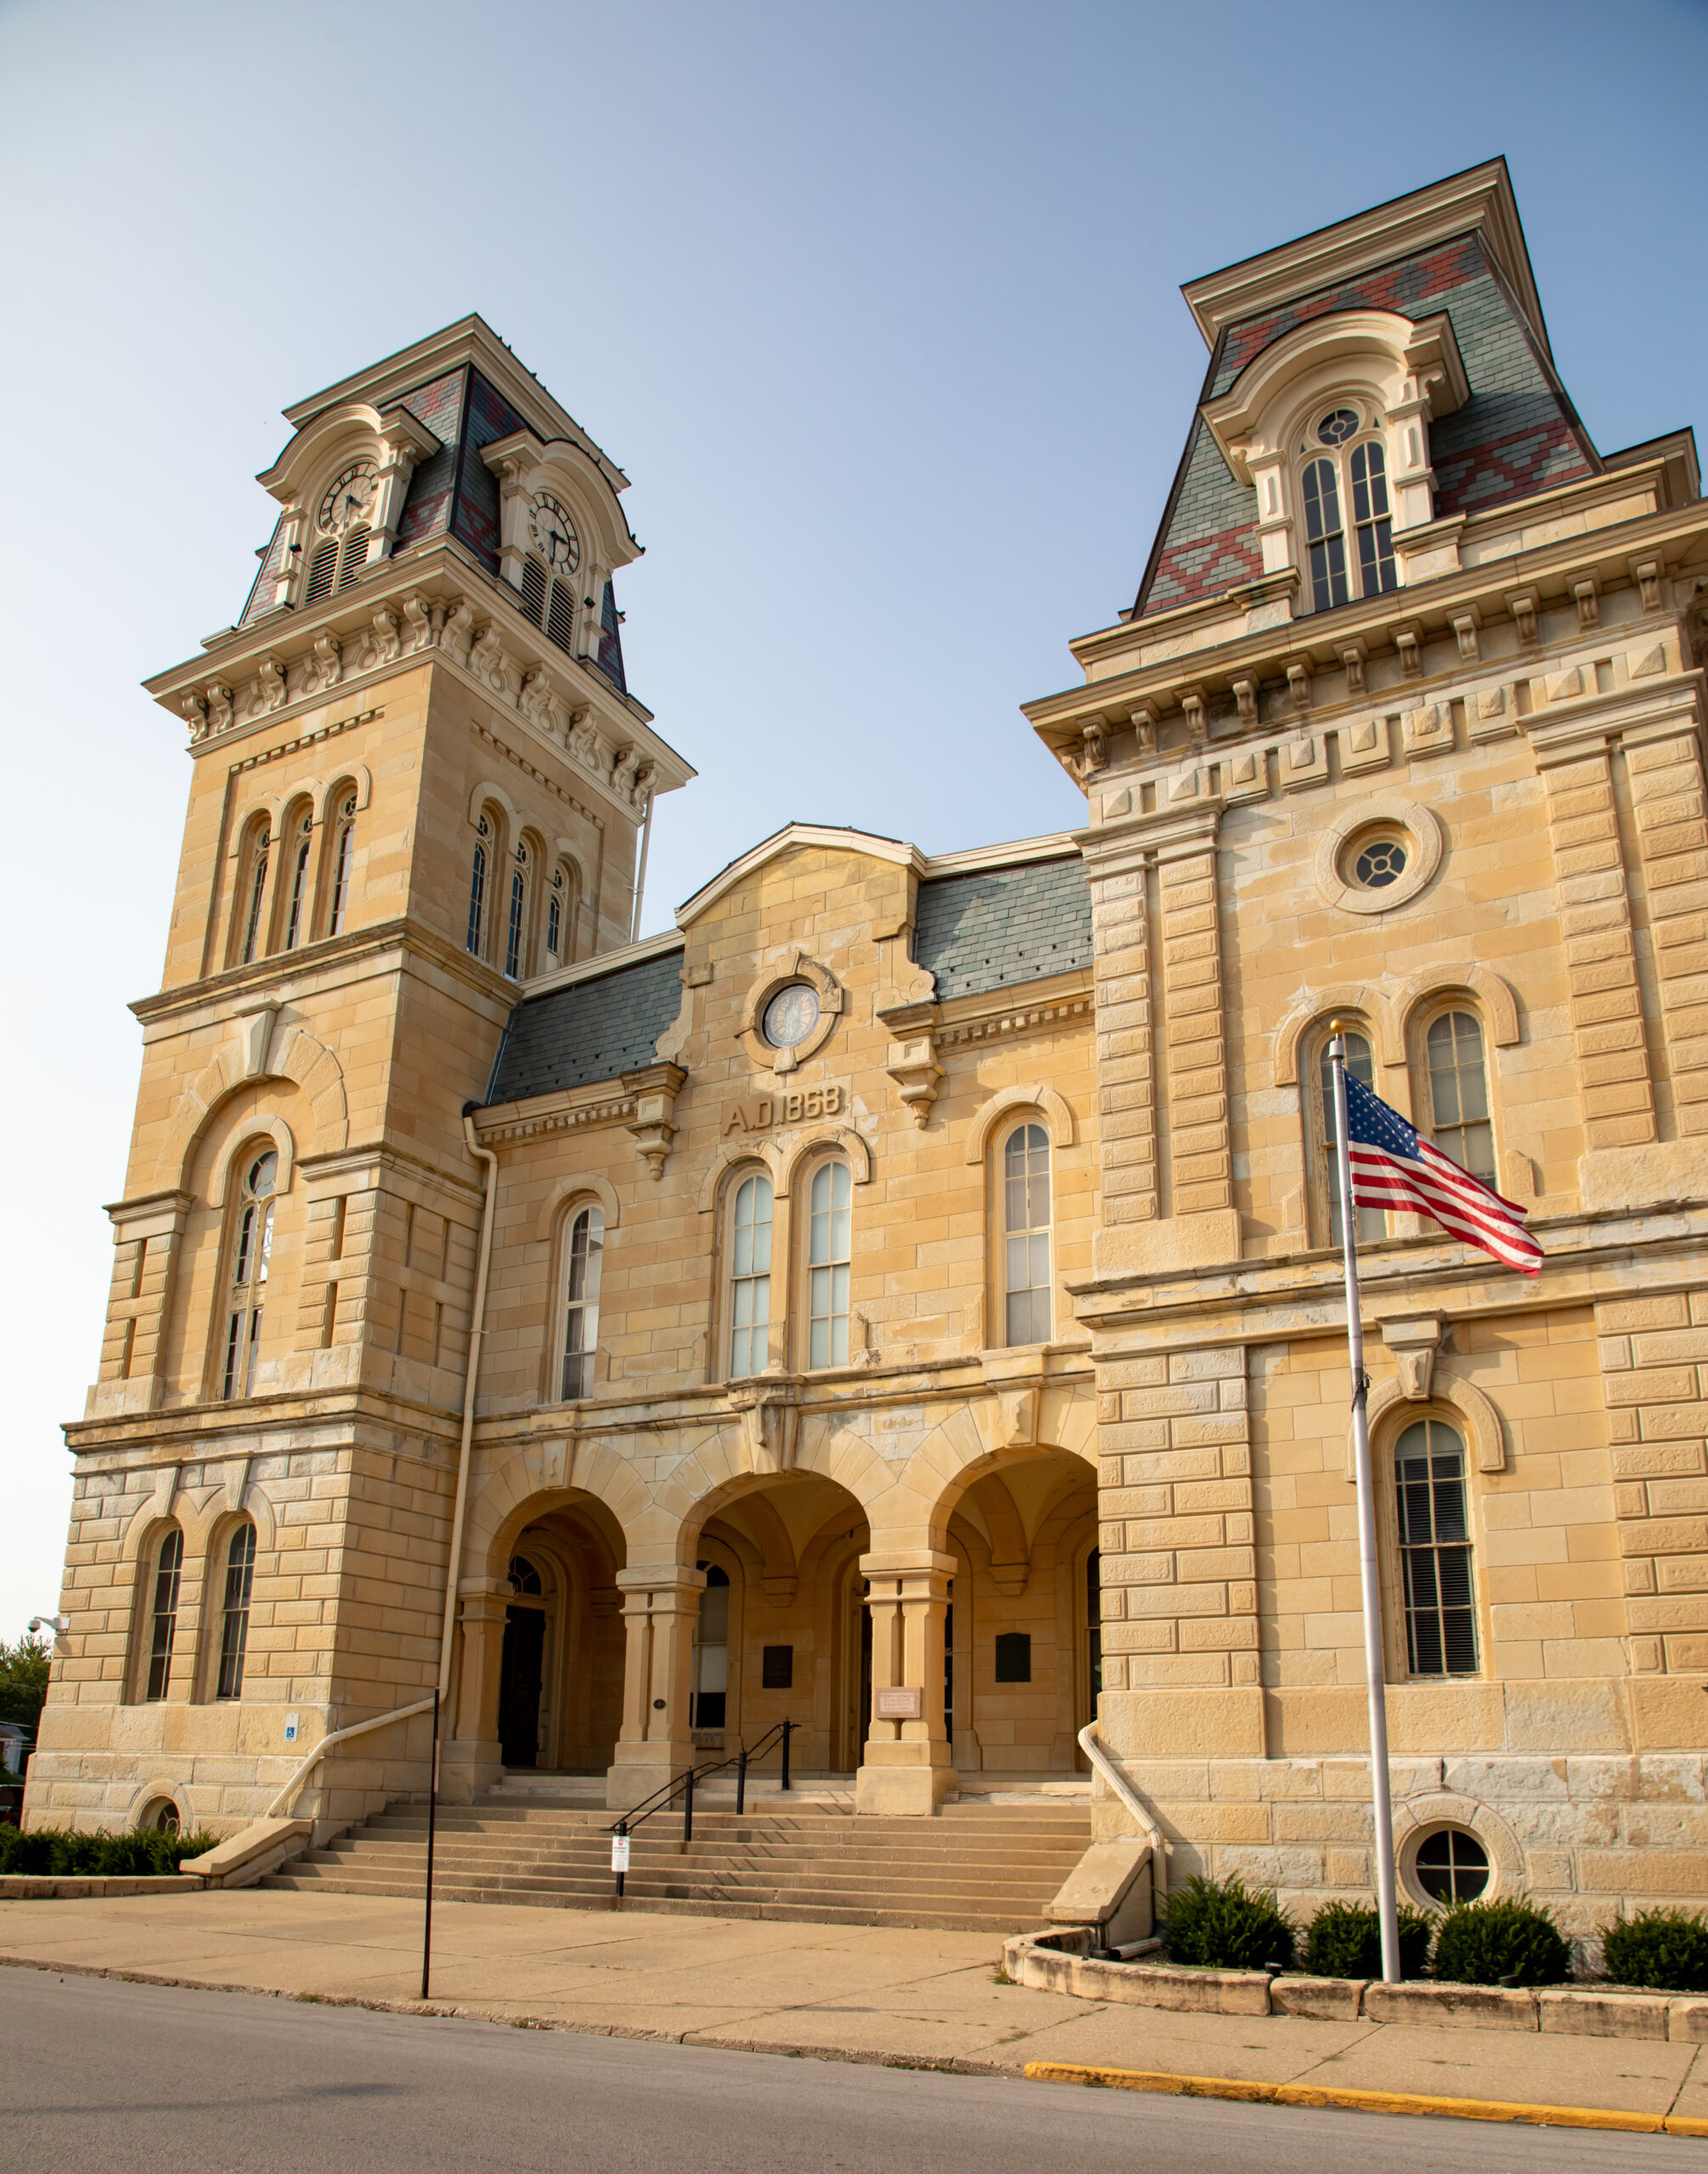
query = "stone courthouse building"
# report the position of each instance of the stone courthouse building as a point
(920, 1276)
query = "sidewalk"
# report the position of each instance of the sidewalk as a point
(843, 1993)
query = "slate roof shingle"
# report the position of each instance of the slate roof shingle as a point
(590, 1031)
(998, 927)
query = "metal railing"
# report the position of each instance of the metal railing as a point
(684, 1785)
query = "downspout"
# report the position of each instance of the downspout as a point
(278, 1808)
(1136, 1806)
(641, 874)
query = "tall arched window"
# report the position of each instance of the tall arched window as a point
(252, 892)
(585, 1259)
(750, 1276)
(1435, 1534)
(233, 1637)
(251, 1253)
(163, 1613)
(708, 1697)
(299, 847)
(1373, 1222)
(828, 1245)
(343, 860)
(480, 870)
(1026, 1228)
(1460, 1125)
(560, 914)
(1351, 473)
(515, 925)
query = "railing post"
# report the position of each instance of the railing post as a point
(787, 1727)
(688, 1809)
(741, 1782)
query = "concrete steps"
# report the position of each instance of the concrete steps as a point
(985, 1864)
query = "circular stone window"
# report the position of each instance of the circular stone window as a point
(160, 1818)
(1377, 862)
(790, 1016)
(1451, 1865)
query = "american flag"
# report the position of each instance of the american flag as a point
(1392, 1168)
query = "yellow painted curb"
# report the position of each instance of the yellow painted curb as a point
(1366, 2101)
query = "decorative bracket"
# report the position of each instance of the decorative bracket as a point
(912, 1062)
(1414, 1344)
(655, 1089)
(770, 1423)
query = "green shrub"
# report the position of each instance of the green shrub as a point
(1664, 1948)
(1343, 1939)
(59, 1853)
(1226, 1925)
(1480, 1943)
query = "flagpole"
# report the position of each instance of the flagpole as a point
(1369, 1566)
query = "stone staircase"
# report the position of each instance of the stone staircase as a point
(990, 1861)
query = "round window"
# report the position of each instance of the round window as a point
(1336, 429)
(790, 1016)
(160, 1818)
(1379, 863)
(1451, 1866)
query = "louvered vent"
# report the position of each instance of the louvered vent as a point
(561, 624)
(534, 591)
(355, 557)
(323, 568)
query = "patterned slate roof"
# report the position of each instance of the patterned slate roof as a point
(592, 1030)
(998, 927)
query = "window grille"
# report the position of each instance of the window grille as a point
(1435, 1551)
(828, 1260)
(750, 1278)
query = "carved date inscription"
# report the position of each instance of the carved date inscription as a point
(799, 1105)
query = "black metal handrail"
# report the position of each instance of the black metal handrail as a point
(684, 1785)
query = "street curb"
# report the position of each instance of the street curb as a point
(1366, 2101)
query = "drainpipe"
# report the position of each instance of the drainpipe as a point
(1135, 1804)
(476, 1331)
(640, 873)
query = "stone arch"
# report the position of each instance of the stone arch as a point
(1415, 1817)
(284, 1146)
(726, 1158)
(567, 1188)
(1476, 1413)
(1322, 1004)
(512, 1490)
(952, 1457)
(1499, 1004)
(818, 1136)
(355, 773)
(160, 1509)
(489, 789)
(1035, 1095)
(258, 1048)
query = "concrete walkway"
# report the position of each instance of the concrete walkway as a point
(843, 1992)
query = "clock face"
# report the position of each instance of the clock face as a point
(790, 1016)
(554, 535)
(347, 498)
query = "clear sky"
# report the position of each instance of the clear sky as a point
(876, 303)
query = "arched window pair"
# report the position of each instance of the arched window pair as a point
(1454, 1112)
(295, 915)
(1349, 477)
(159, 1627)
(503, 877)
(827, 1265)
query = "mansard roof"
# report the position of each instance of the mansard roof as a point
(1454, 248)
(592, 1029)
(996, 928)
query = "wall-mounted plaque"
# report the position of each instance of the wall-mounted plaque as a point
(899, 1702)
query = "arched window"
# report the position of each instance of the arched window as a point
(478, 875)
(515, 925)
(163, 1614)
(585, 1258)
(233, 1637)
(828, 1241)
(1434, 1534)
(343, 858)
(560, 914)
(251, 1252)
(1459, 1094)
(252, 892)
(708, 1696)
(1026, 1227)
(750, 1276)
(1361, 1064)
(299, 847)
(1351, 473)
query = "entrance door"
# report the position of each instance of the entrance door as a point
(519, 1685)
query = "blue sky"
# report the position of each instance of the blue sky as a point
(877, 305)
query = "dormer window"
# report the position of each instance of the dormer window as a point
(1350, 476)
(342, 526)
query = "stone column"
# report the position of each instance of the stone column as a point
(661, 1606)
(471, 1758)
(907, 1767)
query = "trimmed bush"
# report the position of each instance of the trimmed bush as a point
(1226, 1925)
(1343, 1939)
(1480, 1943)
(1667, 1949)
(59, 1853)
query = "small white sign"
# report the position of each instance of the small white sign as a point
(619, 1853)
(290, 1728)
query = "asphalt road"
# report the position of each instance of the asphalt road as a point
(99, 2077)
